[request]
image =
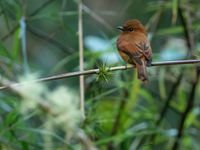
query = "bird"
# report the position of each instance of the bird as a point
(134, 47)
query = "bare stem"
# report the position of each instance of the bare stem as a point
(93, 71)
(80, 32)
(189, 106)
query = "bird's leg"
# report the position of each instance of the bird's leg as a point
(126, 65)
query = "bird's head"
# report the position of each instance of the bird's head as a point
(131, 26)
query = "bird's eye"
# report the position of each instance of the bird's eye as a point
(130, 29)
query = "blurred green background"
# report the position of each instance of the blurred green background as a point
(40, 39)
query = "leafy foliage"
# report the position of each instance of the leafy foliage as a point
(121, 112)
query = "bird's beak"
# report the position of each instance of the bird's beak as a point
(120, 28)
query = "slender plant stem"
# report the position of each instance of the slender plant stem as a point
(46, 37)
(187, 25)
(81, 61)
(41, 8)
(118, 117)
(96, 17)
(32, 14)
(167, 103)
(169, 98)
(10, 33)
(155, 19)
(93, 71)
(189, 107)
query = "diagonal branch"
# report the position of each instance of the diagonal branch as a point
(167, 102)
(32, 14)
(169, 98)
(187, 110)
(41, 7)
(94, 71)
(155, 19)
(187, 25)
(44, 36)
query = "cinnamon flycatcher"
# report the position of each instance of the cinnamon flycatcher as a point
(134, 47)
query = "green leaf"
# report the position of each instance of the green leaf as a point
(16, 45)
(131, 102)
(5, 15)
(175, 30)
(174, 11)
(180, 102)
(43, 132)
(24, 145)
(11, 118)
(161, 83)
(147, 95)
(126, 135)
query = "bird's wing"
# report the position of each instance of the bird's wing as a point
(131, 50)
(136, 50)
(145, 48)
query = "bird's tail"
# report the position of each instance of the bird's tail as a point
(142, 71)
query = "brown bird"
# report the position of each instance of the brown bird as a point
(134, 47)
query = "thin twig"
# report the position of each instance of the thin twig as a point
(97, 18)
(187, 25)
(41, 7)
(116, 123)
(10, 33)
(96, 71)
(44, 36)
(80, 33)
(167, 102)
(169, 98)
(34, 13)
(155, 20)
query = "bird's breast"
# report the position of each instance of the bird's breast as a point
(125, 57)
